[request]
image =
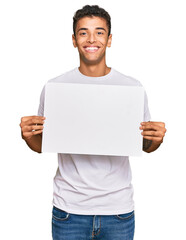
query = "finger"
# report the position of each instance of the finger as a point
(154, 139)
(160, 124)
(28, 135)
(26, 118)
(153, 133)
(33, 121)
(150, 127)
(32, 128)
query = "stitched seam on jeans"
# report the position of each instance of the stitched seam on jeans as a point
(60, 219)
(93, 227)
(125, 218)
(99, 228)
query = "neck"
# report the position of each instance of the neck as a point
(94, 70)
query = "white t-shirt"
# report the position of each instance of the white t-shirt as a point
(93, 184)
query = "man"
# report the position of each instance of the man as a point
(93, 195)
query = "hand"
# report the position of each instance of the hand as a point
(31, 125)
(154, 131)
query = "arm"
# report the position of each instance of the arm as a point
(31, 131)
(153, 134)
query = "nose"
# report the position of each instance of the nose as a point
(91, 38)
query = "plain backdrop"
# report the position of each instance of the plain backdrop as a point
(36, 45)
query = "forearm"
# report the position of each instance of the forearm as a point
(35, 143)
(149, 145)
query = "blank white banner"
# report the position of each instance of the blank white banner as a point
(93, 119)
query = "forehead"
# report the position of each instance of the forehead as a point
(91, 23)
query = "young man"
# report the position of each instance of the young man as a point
(93, 195)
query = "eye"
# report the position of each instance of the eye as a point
(83, 33)
(99, 33)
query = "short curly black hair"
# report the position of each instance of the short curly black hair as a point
(90, 11)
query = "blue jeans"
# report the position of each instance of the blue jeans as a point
(67, 226)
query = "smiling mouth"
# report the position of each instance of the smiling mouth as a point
(91, 49)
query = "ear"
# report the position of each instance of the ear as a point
(74, 40)
(109, 40)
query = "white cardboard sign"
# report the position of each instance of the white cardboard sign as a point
(93, 119)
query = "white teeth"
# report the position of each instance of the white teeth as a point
(91, 48)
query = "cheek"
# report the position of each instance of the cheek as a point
(78, 42)
(104, 42)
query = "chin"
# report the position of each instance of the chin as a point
(92, 61)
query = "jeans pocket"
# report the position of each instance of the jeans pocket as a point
(125, 216)
(59, 215)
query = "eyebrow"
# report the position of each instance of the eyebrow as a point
(96, 29)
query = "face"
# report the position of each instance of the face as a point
(92, 39)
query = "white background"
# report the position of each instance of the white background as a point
(149, 45)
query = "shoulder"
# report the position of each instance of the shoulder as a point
(125, 79)
(63, 77)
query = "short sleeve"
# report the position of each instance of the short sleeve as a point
(41, 104)
(147, 115)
